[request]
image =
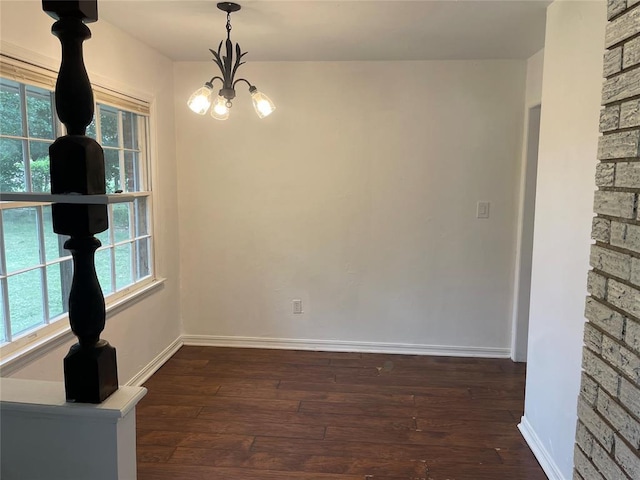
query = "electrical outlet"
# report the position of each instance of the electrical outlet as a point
(297, 307)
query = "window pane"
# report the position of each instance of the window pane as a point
(143, 258)
(123, 265)
(112, 169)
(59, 278)
(104, 237)
(142, 226)
(12, 165)
(25, 301)
(91, 129)
(130, 130)
(109, 126)
(3, 334)
(21, 238)
(40, 174)
(131, 175)
(121, 224)
(103, 269)
(10, 109)
(39, 113)
(53, 243)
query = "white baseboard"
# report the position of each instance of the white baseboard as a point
(321, 345)
(151, 368)
(542, 455)
(344, 346)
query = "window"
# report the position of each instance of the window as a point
(35, 269)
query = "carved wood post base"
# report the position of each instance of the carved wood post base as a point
(90, 372)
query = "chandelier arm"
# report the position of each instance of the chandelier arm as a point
(242, 80)
(210, 82)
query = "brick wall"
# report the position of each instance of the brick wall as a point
(608, 430)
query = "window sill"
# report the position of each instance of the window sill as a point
(40, 346)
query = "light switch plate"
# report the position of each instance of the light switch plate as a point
(483, 210)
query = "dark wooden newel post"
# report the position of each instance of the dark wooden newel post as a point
(77, 167)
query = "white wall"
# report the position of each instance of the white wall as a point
(358, 196)
(141, 332)
(566, 167)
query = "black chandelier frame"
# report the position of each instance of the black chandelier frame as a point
(228, 67)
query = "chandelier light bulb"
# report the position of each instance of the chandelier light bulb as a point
(200, 101)
(263, 104)
(220, 109)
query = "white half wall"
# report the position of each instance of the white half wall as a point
(357, 196)
(572, 82)
(144, 330)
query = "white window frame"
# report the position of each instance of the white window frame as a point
(37, 342)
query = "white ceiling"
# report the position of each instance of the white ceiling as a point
(299, 30)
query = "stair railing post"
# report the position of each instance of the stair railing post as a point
(77, 167)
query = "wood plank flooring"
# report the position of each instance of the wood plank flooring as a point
(233, 414)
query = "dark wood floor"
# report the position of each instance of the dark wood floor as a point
(238, 414)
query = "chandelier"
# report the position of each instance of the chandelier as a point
(200, 100)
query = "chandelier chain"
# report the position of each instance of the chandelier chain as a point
(228, 24)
